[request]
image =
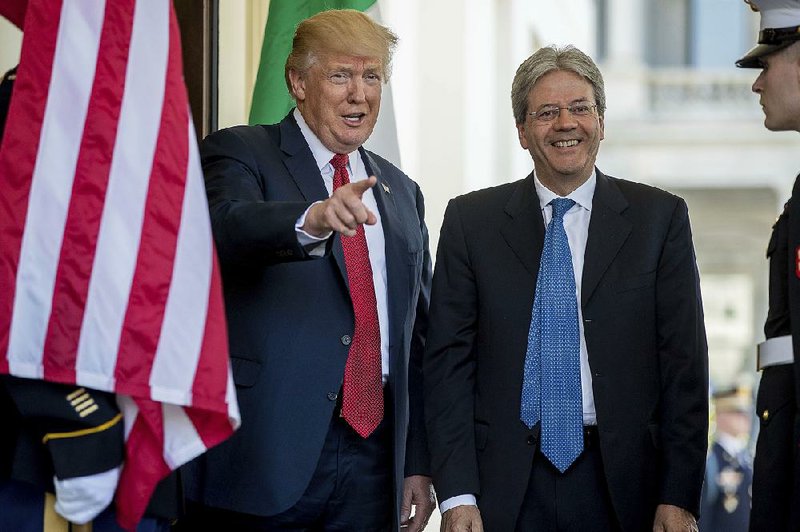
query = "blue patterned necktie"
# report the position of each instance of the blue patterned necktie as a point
(551, 387)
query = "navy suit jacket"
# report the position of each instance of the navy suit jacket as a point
(643, 324)
(288, 314)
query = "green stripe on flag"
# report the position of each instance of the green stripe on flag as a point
(271, 100)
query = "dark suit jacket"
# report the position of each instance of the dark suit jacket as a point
(288, 314)
(644, 332)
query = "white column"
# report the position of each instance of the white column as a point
(241, 33)
(624, 69)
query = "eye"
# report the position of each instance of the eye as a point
(580, 109)
(339, 78)
(372, 78)
(547, 113)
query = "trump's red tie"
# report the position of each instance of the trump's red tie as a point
(362, 402)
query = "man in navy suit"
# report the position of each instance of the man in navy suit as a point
(617, 441)
(326, 270)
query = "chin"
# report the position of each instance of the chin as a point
(772, 126)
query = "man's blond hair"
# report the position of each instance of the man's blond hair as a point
(340, 32)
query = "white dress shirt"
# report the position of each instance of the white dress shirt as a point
(576, 225)
(373, 233)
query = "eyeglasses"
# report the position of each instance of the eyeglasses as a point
(548, 113)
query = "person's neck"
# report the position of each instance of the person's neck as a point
(563, 185)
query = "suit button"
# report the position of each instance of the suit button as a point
(531, 440)
(765, 415)
(332, 396)
(346, 339)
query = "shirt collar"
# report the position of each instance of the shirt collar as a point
(582, 195)
(322, 155)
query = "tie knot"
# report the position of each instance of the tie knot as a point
(561, 206)
(339, 161)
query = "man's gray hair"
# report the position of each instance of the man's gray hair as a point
(546, 60)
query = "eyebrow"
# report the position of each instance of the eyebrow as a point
(348, 66)
(578, 100)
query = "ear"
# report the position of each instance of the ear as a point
(298, 85)
(602, 128)
(521, 135)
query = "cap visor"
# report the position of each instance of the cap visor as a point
(752, 59)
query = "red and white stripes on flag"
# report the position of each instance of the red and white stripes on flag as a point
(108, 275)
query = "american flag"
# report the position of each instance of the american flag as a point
(108, 274)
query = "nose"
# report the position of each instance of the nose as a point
(758, 84)
(356, 93)
(565, 119)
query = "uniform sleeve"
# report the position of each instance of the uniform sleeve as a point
(80, 428)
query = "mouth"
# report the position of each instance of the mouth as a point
(565, 143)
(354, 119)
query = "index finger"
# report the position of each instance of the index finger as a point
(359, 187)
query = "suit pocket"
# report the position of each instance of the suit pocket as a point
(481, 435)
(245, 371)
(415, 257)
(635, 282)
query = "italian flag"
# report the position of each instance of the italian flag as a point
(271, 99)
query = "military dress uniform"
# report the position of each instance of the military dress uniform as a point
(776, 480)
(776, 406)
(51, 429)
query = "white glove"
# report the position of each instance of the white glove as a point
(81, 499)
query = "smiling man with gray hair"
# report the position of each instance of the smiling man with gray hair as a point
(566, 365)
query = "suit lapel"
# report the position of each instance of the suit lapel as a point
(608, 231)
(524, 232)
(300, 162)
(303, 169)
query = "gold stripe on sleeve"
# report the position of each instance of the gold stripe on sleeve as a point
(87, 411)
(81, 399)
(83, 432)
(76, 393)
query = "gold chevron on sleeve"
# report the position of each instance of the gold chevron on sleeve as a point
(83, 403)
(75, 394)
